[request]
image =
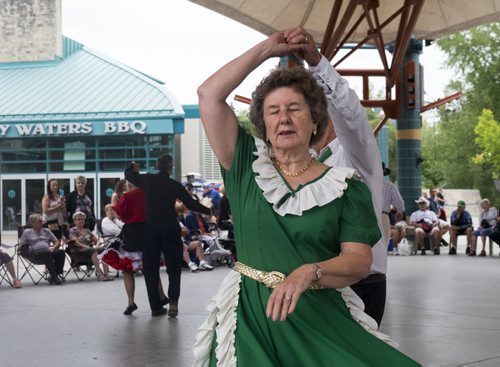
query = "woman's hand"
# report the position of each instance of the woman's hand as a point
(308, 50)
(285, 295)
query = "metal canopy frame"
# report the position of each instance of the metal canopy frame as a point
(337, 34)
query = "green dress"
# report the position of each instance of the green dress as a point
(280, 229)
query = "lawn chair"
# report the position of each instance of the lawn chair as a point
(28, 263)
(80, 262)
(4, 275)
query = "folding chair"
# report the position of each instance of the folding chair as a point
(80, 262)
(4, 275)
(29, 262)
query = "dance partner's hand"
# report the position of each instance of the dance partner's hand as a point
(278, 46)
(285, 295)
(308, 50)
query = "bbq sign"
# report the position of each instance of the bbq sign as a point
(59, 129)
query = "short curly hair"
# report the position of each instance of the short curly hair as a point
(302, 81)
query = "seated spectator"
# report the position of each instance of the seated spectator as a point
(42, 242)
(436, 207)
(441, 203)
(461, 224)
(6, 260)
(195, 247)
(111, 225)
(214, 196)
(495, 233)
(426, 223)
(194, 222)
(84, 241)
(224, 210)
(398, 232)
(487, 221)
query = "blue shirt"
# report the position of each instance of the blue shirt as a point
(214, 195)
(465, 219)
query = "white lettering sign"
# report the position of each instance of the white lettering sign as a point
(123, 127)
(4, 129)
(75, 128)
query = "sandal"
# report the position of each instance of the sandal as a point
(104, 278)
(483, 253)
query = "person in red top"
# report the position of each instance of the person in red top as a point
(131, 208)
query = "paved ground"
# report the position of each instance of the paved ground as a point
(443, 310)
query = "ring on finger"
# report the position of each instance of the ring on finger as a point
(287, 298)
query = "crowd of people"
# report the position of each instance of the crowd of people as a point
(430, 223)
(127, 239)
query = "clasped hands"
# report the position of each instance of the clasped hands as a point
(296, 41)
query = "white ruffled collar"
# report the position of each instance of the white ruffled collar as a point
(321, 191)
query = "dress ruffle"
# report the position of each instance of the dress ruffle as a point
(116, 257)
(286, 201)
(356, 308)
(221, 321)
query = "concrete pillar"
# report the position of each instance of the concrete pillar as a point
(408, 128)
(30, 30)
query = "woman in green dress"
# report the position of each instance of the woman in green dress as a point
(287, 301)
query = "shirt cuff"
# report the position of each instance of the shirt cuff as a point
(326, 72)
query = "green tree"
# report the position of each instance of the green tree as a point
(450, 148)
(488, 138)
(474, 54)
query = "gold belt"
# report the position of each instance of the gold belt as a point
(269, 278)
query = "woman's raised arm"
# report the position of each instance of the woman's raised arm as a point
(219, 120)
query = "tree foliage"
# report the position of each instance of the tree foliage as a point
(474, 54)
(458, 153)
(488, 139)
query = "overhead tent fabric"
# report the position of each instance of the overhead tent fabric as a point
(438, 18)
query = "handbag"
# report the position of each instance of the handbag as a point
(425, 226)
(485, 224)
(52, 225)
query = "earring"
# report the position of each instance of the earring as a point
(315, 132)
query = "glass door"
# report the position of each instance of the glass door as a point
(11, 204)
(106, 189)
(34, 192)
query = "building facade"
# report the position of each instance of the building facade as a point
(68, 111)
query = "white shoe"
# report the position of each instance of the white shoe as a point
(205, 266)
(193, 267)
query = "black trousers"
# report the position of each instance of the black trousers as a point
(372, 291)
(162, 238)
(54, 261)
(495, 236)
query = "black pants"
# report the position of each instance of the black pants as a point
(372, 291)
(162, 238)
(54, 261)
(495, 236)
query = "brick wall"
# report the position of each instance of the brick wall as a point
(30, 30)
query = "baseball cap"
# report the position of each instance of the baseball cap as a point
(461, 203)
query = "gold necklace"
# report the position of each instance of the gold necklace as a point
(295, 173)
